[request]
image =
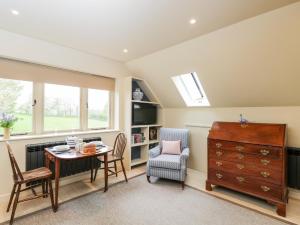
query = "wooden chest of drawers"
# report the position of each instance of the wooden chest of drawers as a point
(250, 158)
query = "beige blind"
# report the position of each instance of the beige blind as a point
(12, 69)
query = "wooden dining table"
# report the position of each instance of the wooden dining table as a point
(72, 154)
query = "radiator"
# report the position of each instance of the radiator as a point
(293, 162)
(35, 159)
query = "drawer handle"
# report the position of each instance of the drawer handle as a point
(240, 179)
(265, 162)
(219, 153)
(219, 163)
(239, 148)
(265, 188)
(240, 166)
(265, 174)
(219, 176)
(218, 145)
(264, 152)
(240, 156)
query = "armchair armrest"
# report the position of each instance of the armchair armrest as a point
(184, 156)
(154, 152)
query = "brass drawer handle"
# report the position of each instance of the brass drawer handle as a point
(264, 152)
(239, 148)
(218, 145)
(240, 156)
(265, 162)
(265, 174)
(219, 176)
(265, 188)
(219, 153)
(240, 179)
(240, 166)
(219, 163)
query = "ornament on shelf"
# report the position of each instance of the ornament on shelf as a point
(137, 94)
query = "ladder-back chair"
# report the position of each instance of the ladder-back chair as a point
(117, 155)
(42, 175)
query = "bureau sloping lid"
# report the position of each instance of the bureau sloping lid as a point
(254, 133)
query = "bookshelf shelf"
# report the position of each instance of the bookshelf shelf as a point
(137, 153)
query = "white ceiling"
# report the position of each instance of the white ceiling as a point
(106, 27)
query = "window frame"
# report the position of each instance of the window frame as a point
(38, 94)
(183, 89)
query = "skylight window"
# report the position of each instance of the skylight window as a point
(190, 89)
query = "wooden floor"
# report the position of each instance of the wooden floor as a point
(195, 180)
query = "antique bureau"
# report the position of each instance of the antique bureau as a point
(249, 158)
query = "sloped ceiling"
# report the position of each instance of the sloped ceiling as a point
(252, 63)
(106, 27)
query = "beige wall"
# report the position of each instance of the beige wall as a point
(252, 63)
(198, 120)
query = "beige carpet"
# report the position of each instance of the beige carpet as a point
(140, 203)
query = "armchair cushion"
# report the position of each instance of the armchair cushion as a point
(166, 161)
(171, 147)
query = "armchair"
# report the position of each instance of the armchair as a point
(172, 167)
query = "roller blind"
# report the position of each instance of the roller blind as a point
(18, 70)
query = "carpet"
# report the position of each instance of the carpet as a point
(140, 203)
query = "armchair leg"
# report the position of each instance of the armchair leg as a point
(182, 185)
(148, 179)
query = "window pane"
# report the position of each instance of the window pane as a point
(16, 99)
(191, 90)
(98, 108)
(61, 107)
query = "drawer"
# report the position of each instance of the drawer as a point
(246, 168)
(222, 154)
(261, 150)
(246, 184)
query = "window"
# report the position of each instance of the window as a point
(16, 99)
(61, 107)
(191, 90)
(98, 108)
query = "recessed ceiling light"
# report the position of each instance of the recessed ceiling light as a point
(125, 50)
(193, 21)
(14, 12)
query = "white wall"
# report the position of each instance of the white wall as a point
(198, 120)
(15, 46)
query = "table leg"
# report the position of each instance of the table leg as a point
(47, 164)
(92, 159)
(105, 172)
(57, 175)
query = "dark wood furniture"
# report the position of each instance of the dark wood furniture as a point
(116, 156)
(42, 174)
(74, 155)
(250, 158)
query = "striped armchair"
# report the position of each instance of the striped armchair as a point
(172, 167)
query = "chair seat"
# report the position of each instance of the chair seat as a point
(110, 158)
(36, 174)
(166, 161)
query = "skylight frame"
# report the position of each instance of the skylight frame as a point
(191, 90)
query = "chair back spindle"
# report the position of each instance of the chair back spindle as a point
(17, 175)
(119, 145)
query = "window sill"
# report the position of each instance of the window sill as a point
(51, 135)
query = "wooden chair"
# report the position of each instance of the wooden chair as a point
(115, 156)
(42, 174)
